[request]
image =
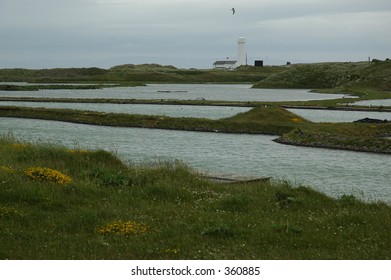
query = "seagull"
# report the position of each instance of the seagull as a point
(233, 11)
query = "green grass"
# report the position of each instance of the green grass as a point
(314, 75)
(342, 76)
(184, 216)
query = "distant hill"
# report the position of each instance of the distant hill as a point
(376, 74)
(334, 75)
(52, 75)
(139, 73)
(139, 67)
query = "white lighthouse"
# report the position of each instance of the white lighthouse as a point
(241, 52)
(229, 64)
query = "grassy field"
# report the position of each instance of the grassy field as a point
(57, 203)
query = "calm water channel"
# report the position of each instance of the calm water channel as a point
(365, 175)
(181, 92)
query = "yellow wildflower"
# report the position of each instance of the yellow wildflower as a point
(47, 174)
(123, 228)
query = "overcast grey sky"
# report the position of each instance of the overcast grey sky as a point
(190, 33)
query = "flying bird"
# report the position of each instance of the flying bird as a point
(233, 11)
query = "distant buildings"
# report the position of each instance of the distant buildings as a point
(232, 64)
(225, 64)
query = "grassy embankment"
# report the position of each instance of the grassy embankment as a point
(89, 205)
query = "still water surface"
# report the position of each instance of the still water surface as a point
(209, 112)
(231, 92)
(333, 172)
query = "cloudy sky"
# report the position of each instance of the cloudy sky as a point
(190, 33)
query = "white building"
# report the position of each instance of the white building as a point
(225, 64)
(232, 64)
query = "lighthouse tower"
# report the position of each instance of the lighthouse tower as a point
(241, 52)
